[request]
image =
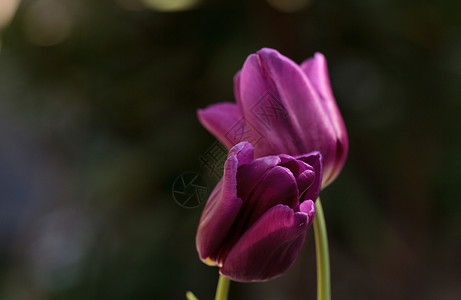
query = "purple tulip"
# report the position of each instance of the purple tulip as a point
(255, 221)
(282, 107)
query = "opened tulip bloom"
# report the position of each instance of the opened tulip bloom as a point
(255, 221)
(282, 107)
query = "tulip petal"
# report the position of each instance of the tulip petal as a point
(244, 152)
(308, 207)
(304, 182)
(278, 186)
(303, 172)
(313, 159)
(282, 105)
(296, 166)
(316, 70)
(249, 176)
(220, 119)
(279, 235)
(222, 207)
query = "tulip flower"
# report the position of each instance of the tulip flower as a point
(255, 221)
(282, 107)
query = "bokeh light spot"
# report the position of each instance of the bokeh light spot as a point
(170, 5)
(7, 10)
(47, 22)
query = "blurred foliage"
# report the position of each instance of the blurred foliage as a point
(97, 119)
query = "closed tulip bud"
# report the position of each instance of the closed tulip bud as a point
(255, 221)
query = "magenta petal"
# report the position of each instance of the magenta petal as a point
(269, 247)
(308, 207)
(222, 207)
(269, 81)
(313, 159)
(220, 119)
(317, 71)
(244, 152)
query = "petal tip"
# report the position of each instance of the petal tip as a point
(308, 207)
(243, 151)
(266, 50)
(319, 56)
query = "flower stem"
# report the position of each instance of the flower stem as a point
(190, 296)
(222, 289)
(321, 249)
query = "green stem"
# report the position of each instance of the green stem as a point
(321, 249)
(190, 296)
(222, 289)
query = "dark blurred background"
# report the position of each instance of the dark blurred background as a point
(98, 119)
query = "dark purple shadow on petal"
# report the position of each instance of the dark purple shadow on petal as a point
(278, 186)
(313, 159)
(222, 207)
(304, 182)
(248, 176)
(303, 172)
(269, 247)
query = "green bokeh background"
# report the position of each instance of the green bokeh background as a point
(94, 131)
